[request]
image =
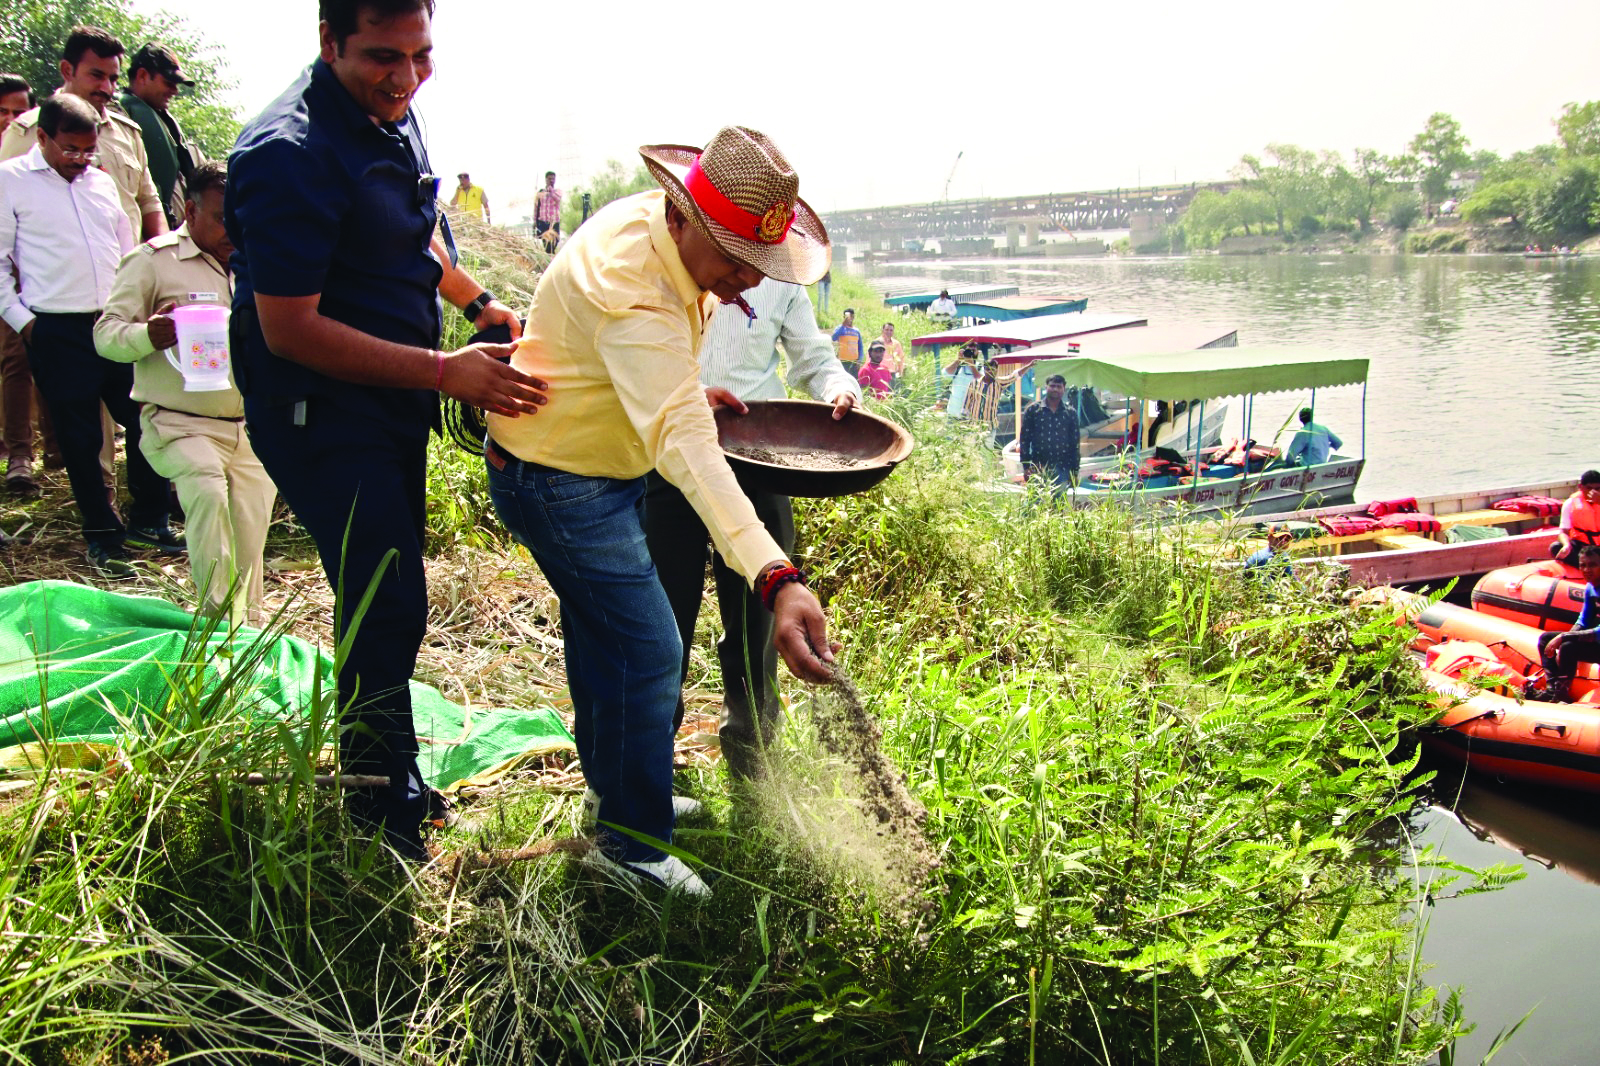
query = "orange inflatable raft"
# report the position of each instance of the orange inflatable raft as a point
(1485, 725)
(1538, 743)
(1545, 595)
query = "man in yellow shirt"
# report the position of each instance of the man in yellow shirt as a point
(470, 199)
(615, 329)
(195, 438)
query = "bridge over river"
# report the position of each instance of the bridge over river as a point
(1100, 209)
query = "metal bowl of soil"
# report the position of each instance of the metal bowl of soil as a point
(796, 448)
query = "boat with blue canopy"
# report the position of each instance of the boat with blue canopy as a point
(1006, 308)
(920, 299)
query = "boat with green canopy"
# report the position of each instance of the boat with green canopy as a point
(1233, 475)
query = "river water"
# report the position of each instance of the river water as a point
(1482, 371)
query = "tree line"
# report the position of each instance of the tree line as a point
(1551, 191)
(33, 31)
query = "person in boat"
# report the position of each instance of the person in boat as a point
(1048, 443)
(1560, 653)
(1579, 524)
(943, 307)
(1312, 443)
(1273, 560)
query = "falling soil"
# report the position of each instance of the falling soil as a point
(809, 460)
(849, 807)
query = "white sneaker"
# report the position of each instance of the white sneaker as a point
(672, 873)
(682, 807)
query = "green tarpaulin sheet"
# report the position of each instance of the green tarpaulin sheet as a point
(80, 651)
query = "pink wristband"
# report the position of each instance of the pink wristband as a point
(438, 377)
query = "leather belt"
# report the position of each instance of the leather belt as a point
(497, 458)
(194, 414)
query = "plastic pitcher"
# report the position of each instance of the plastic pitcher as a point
(202, 352)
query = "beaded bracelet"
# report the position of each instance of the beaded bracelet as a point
(774, 579)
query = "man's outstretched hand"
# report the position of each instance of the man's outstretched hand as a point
(800, 633)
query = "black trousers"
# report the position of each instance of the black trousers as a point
(74, 381)
(358, 486)
(679, 546)
(1569, 653)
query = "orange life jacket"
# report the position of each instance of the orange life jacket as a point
(1585, 521)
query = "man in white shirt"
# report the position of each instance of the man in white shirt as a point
(63, 231)
(739, 362)
(943, 307)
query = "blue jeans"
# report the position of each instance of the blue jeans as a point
(622, 645)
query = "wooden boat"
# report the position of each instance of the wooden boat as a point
(1552, 255)
(1208, 375)
(999, 338)
(1395, 557)
(1002, 337)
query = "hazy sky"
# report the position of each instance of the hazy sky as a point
(872, 101)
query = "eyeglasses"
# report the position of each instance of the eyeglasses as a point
(83, 155)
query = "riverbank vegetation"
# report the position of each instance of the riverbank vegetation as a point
(1545, 194)
(1168, 805)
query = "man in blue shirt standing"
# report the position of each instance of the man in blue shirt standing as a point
(1312, 443)
(1560, 653)
(332, 209)
(1048, 445)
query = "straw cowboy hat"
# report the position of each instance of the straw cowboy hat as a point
(742, 194)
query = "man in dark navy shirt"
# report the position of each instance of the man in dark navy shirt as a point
(1561, 653)
(332, 209)
(1048, 443)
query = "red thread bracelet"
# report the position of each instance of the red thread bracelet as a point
(774, 579)
(438, 377)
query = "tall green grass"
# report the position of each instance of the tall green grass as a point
(1168, 802)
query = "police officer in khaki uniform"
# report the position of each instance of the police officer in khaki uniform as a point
(195, 438)
(91, 62)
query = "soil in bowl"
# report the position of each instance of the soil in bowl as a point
(805, 460)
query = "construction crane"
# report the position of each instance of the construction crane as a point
(952, 176)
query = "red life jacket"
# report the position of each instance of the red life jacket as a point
(1538, 506)
(1380, 508)
(1348, 525)
(1411, 520)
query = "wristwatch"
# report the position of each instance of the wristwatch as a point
(471, 311)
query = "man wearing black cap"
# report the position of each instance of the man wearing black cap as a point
(154, 75)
